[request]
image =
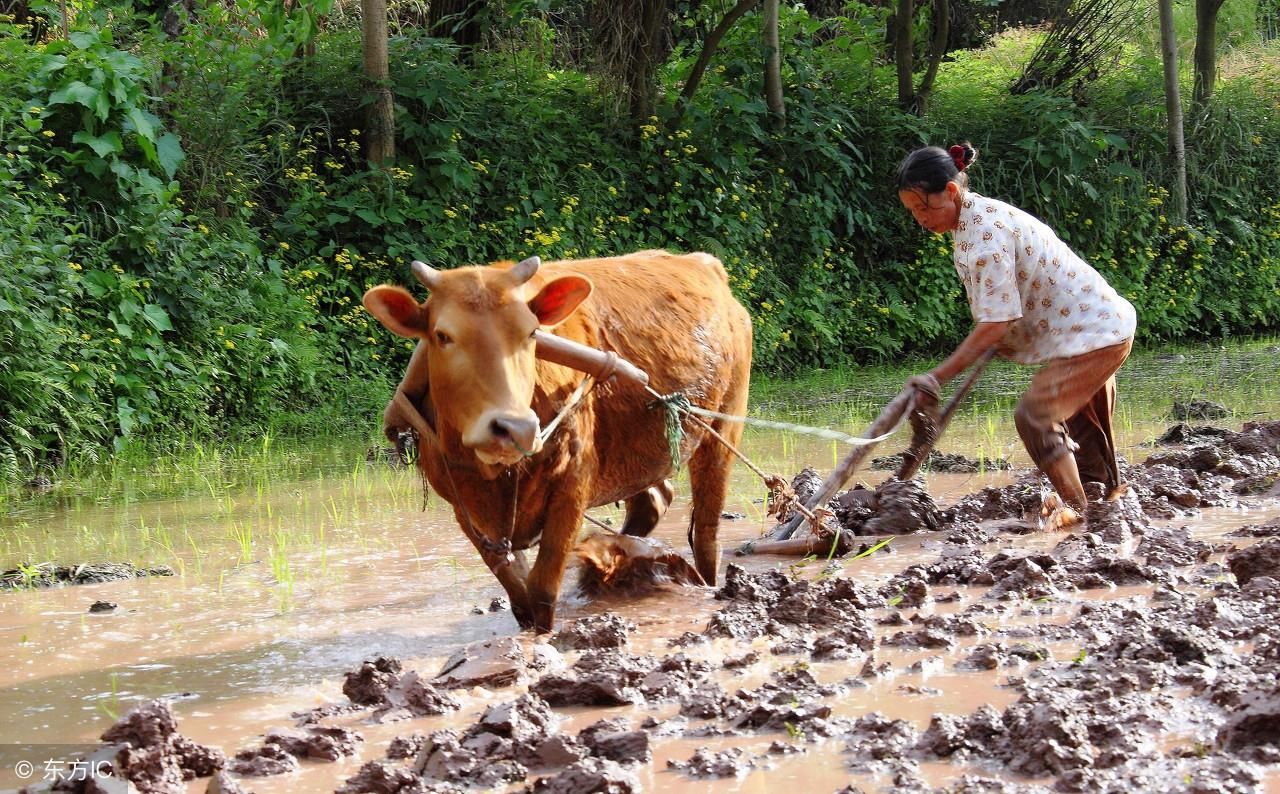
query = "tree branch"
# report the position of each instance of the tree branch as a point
(708, 50)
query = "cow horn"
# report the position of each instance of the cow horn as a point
(428, 275)
(524, 271)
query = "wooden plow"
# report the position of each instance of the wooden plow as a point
(919, 408)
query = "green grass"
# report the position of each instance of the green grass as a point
(285, 503)
(1238, 374)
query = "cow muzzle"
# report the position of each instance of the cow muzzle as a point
(504, 437)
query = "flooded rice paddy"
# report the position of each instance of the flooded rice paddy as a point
(293, 566)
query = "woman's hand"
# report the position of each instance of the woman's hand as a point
(926, 383)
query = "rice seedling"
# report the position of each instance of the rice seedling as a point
(111, 705)
(243, 537)
(281, 570)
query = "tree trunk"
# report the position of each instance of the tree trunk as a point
(380, 124)
(1173, 105)
(457, 20)
(904, 54)
(1206, 57)
(941, 23)
(708, 50)
(22, 14)
(773, 66)
(642, 71)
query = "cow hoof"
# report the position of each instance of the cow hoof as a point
(523, 617)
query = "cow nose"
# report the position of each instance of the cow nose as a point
(522, 432)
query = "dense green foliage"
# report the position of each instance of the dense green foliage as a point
(119, 312)
(188, 225)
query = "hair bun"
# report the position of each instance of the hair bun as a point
(963, 154)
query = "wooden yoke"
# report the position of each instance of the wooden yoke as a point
(600, 364)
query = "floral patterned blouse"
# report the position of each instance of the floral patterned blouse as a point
(1015, 268)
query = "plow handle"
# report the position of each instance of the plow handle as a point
(887, 420)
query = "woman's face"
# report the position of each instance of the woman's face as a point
(937, 212)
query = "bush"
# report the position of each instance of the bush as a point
(125, 315)
(193, 263)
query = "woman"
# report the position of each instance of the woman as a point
(1037, 303)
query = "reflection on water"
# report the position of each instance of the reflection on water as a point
(289, 577)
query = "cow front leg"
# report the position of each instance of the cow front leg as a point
(559, 533)
(512, 575)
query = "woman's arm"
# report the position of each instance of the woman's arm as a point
(983, 337)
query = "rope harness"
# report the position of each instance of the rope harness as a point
(676, 407)
(497, 554)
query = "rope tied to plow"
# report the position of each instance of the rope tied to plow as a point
(677, 404)
(674, 405)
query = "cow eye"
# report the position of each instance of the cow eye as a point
(443, 339)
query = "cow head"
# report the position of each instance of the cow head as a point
(477, 330)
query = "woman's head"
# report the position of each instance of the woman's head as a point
(931, 183)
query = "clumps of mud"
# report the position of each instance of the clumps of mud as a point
(595, 631)
(1096, 722)
(826, 618)
(394, 694)
(1212, 467)
(611, 677)
(281, 749)
(1198, 409)
(520, 741)
(704, 763)
(144, 748)
(1200, 654)
(1221, 465)
(495, 663)
(948, 462)
(47, 574)
(1099, 720)
(1270, 529)
(1259, 561)
(368, 686)
(510, 743)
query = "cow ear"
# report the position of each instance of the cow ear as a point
(397, 310)
(559, 298)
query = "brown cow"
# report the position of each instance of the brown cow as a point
(484, 396)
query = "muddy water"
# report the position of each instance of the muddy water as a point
(242, 644)
(280, 590)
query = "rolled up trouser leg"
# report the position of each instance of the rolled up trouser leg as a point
(1067, 408)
